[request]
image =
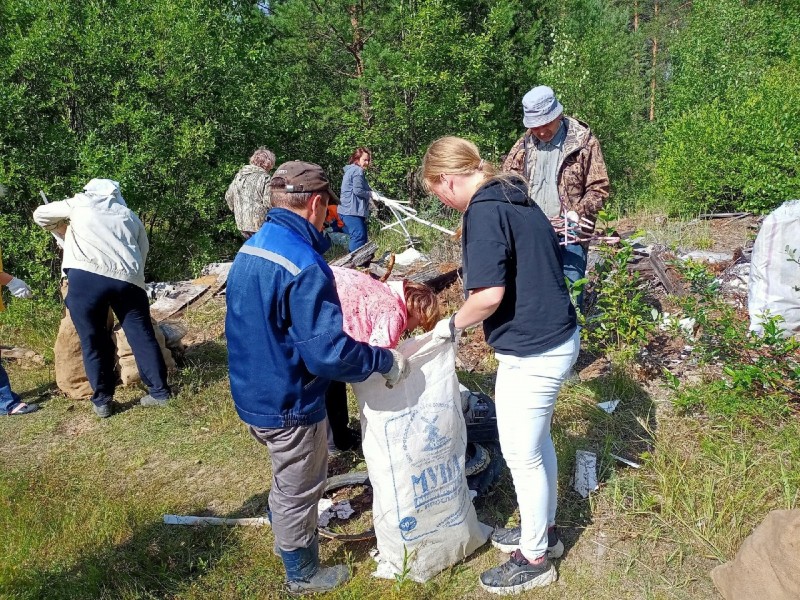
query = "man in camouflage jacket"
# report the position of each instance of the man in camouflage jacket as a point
(574, 196)
(248, 195)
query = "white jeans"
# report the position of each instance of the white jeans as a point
(525, 396)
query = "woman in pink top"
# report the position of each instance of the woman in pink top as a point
(376, 313)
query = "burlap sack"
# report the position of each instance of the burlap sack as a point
(126, 363)
(70, 374)
(767, 566)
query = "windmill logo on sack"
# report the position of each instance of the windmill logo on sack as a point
(431, 465)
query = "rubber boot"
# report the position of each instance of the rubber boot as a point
(304, 574)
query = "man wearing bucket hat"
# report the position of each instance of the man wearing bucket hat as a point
(284, 329)
(562, 162)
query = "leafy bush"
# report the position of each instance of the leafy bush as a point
(742, 153)
(732, 109)
(759, 374)
(621, 319)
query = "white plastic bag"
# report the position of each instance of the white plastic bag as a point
(414, 439)
(774, 276)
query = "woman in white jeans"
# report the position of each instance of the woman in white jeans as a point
(513, 276)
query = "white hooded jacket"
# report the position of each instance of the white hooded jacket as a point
(104, 236)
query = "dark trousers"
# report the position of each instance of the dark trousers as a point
(88, 300)
(336, 405)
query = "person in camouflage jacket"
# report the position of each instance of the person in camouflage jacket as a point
(248, 194)
(581, 177)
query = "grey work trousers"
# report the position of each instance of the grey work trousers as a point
(299, 457)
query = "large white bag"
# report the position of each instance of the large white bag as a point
(774, 276)
(414, 439)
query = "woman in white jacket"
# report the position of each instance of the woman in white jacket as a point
(105, 247)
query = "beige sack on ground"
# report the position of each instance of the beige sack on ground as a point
(767, 566)
(70, 374)
(126, 363)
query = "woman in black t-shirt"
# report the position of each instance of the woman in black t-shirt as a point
(513, 274)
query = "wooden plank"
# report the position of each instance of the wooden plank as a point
(183, 293)
(730, 215)
(424, 274)
(220, 270)
(442, 280)
(666, 274)
(430, 275)
(357, 257)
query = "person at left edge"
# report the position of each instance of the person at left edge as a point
(10, 402)
(284, 328)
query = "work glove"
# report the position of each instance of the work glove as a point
(19, 289)
(399, 371)
(446, 330)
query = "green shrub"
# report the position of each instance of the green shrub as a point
(740, 153)
(758, 374)
(621, 319)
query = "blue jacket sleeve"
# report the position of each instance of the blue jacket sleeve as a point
(360, 186)
(317, 331)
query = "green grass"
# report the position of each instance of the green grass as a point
(676, 233)
(82, 500)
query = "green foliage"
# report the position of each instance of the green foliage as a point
(760, 374)
(622, 319)
(731, 139)
(402, 578)
(156, 95)
(170, 97)
(394, 77)
(594, 64)
(749, 149)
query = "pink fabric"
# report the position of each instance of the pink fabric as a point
(374, 312)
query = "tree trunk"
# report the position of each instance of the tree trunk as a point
(655, 60)
(356, 48)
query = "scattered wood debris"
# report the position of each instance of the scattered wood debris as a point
(173, 298)
(16, 353)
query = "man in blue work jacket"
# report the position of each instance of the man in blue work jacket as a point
(285, 345)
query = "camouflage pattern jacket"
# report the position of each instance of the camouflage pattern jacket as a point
(249, 198)
(582, 176)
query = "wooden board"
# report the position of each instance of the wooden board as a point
(176, 299)
(667, 274)
(358, 257)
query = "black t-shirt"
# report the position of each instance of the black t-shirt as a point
(507, 241)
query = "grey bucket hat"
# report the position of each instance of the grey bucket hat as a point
(539, 107)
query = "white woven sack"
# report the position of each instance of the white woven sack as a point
(414, 439)
(773, 276)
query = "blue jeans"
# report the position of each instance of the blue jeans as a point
(574, 256)
(356, 228)
(7, 398)
(88, 299)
